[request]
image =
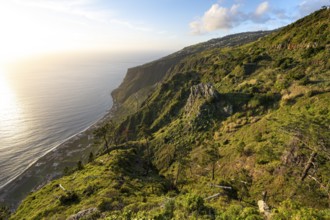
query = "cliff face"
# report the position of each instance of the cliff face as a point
(218, 131)
(141, 77)
(149, 74)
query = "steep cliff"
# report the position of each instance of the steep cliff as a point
(140, 77)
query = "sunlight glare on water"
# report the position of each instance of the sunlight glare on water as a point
(9, 108)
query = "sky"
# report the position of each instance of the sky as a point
(33, 27)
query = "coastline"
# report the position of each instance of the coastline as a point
(52, 164)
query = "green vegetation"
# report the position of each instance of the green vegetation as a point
(4, 212)
(223, 128)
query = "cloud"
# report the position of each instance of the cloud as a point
(262, 9)
(222, 18)
(215, 18)
(82, 10)
(261, 13)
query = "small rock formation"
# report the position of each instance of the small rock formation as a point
(82, 214)
(202, 103)
(264, 208)
(203, 90)
(293, 46)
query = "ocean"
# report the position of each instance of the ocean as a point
(46, 100)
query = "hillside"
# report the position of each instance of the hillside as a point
(215, 133)
(141, 80)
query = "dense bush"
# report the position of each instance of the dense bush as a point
(239, 213)
(194, 203)
(90, 189)
(105, 205)
(293, 210)
(4, 212)
(69, 198)
(168, 212)
(285, 63)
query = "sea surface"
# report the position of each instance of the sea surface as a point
(46, 100)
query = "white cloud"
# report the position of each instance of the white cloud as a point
(81, 10)
(222, 18)
(261, 14)
(215, 18)
(262, 8)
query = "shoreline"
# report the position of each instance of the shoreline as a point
(54, 148)
(52, 164)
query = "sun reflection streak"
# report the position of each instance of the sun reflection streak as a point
(9, 108)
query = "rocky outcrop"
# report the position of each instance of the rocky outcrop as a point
(292, 46)
(83, 214)
(201, 104)
(205, 91)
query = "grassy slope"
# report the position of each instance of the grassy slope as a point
(272, 84)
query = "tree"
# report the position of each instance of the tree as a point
(147, 135)
(108, 133)
(313, 133)
(181, 153)
(91, 157)
(212, 156)
(80, 166)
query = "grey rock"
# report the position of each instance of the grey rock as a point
(201, 91)
(82, 214)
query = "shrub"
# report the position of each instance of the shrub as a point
(90, 190)
(4, 212)
(304, 81)
(91, 157)
(311, 51)
(125, 189)
(105, 205)
(232, 212)
(168, 212)
(250, 213)
(240, 148)
(285, 63)
(293, 210)
(194, 203)
(80, 165)
(258, 137)
(69, 198)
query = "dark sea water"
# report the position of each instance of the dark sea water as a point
(45, 101)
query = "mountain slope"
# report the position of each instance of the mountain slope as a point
(223, 130)
(142, 79)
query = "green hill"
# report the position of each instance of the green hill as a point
(212, 134)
